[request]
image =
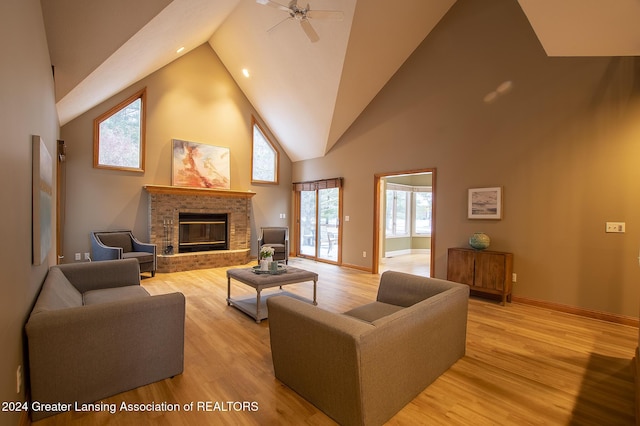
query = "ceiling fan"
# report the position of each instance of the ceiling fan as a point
(302, 15)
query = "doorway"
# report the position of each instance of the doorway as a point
(318, 228)
(404, 221)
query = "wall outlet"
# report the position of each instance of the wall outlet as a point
(78, 256)
(364, 254)
(87, 256)
(19, 379)
(615, 227)
(514, 277)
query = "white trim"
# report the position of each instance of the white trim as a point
(405, 251)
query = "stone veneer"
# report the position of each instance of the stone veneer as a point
(167, 202)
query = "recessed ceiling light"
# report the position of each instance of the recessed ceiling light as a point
(245, 72)
(180, 50)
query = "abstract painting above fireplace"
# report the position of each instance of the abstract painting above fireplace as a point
(200, 165)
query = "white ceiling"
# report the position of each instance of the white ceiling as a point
(307, 93)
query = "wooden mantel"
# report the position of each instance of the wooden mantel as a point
(183, 190)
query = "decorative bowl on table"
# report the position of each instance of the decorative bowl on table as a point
(281, 269)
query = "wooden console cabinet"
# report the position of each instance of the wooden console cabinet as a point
(485, 272)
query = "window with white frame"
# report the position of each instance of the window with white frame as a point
(408, 210)
(422, 210)
(398, 212)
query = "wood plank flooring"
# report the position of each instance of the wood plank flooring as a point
(524, 365)
(416, 263)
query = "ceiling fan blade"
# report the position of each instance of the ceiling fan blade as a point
(274, 27)
(325, 14)
(273, 4)
(308, 29)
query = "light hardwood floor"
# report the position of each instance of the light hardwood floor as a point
(523, 364)
(418, 264)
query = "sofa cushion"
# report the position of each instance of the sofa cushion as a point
(57, 293)
(273, 236)
(106, 295)
(116, 239)
(373, 311)
(278, 248)
(142, 256)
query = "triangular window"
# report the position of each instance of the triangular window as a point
(264, 157)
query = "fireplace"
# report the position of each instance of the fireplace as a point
(202, 232)
(166, 203)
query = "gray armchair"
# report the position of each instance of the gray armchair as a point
(276, 237)
(111, 245)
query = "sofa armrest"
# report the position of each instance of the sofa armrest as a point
(316, 353)
(140, 246)
(87, 353)
(87, 276)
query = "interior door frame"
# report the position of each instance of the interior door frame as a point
(377, 216)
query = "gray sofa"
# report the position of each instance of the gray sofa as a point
(95, 332)
(361, 367)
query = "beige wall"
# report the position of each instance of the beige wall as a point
(564, 144)
(26, 108)
(195, 99)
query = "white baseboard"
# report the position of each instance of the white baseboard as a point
(406, 251)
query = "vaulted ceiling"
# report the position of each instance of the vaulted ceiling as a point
(308, 93)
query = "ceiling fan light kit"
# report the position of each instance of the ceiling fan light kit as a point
(302, 15)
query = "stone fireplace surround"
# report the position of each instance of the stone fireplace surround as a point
(166, 203)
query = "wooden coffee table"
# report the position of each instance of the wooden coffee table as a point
(257, 308)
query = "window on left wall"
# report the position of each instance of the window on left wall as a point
(119, 135)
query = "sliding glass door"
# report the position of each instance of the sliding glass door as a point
(308, 222)
(318, 219)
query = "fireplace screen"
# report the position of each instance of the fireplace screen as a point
(202, 232)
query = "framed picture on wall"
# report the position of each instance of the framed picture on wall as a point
(485, 203)
(42, 200)
(200, 165)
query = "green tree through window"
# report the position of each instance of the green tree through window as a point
(119, 135)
